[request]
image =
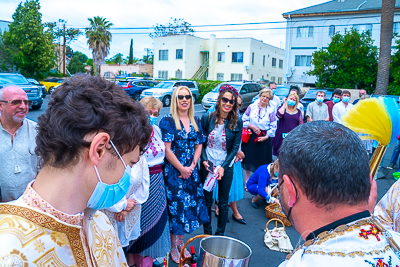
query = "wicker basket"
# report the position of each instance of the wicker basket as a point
(182, 259)
(271, 213)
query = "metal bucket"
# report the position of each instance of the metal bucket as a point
(222, 251)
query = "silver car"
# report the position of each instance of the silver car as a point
(247, 91)
(163, 90)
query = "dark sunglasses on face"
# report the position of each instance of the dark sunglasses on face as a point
(226, 100)
(180, 97)
(18, 102)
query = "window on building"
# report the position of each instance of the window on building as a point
(251, 76)
(272, 78)
(396, 27)
(252, 58)
(236, 76)
(163, 74)
(264, 61)
(305, 32)
(302, 61)
(179, 53)
(279, 80)
(178, 74)
(280, 63)
(237, 57)
(331, 30)
(221, 56)
(363, 27)
(274, 62)
(220, 76)
(163, 55)
(107, 74)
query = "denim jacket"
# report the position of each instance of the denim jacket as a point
(233, 138)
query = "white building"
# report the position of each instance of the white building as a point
(310, 29)
(190, 57)
(4, 25)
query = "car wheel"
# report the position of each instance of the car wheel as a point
(136, 96)
(51, 90)
(37, 107)
(166, 101)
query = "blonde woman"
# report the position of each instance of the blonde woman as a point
(183, 138)
(289, 117)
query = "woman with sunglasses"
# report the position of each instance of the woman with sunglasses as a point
(260, 118)
(183, 139)
(223, 130)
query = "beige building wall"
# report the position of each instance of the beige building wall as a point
(195, 52)
(111, 70)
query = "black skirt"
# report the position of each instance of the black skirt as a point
(256, 154)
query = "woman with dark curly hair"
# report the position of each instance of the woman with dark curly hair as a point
(223, 131)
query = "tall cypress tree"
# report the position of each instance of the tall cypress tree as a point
(130, 61)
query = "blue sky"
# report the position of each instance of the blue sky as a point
(135, 14)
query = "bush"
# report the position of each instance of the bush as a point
(206, 86)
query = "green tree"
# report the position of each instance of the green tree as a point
(75, 65)
(130, 60)
(117, 59)
(99, 39)
(350, 61)
(29, 45)
(174, 27)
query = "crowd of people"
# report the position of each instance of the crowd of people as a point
(102, 184)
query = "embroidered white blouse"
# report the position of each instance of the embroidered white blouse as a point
(263, 118)
(155, 154)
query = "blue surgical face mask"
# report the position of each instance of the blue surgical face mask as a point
(336, 99)
(276, 174)
(346, 99)
(153, 120)
(320, 99)
(291, 102)
(107, 195)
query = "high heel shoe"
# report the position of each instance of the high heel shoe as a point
(180, 246)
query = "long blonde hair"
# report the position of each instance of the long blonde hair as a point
(174, 109)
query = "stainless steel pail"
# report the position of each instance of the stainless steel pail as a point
(223, 251)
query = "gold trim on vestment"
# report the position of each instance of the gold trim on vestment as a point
(48, 222)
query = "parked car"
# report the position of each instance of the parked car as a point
(246, 89)
(135, 87)
(310, 96)
(41, 86)
(281, 91)
(163, 90)
(51, 82)
(34, 92)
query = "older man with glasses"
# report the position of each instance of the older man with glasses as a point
(18, 162)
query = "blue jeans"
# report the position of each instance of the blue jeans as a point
(395, 154)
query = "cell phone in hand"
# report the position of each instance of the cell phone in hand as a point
(210, 166)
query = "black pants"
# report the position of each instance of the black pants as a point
(224, 186)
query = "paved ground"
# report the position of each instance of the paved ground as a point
(253, 233)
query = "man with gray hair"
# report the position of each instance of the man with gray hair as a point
(18, 161)
(318, 110)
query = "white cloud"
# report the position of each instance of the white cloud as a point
(128, 13)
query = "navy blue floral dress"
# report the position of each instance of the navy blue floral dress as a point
(185, 197)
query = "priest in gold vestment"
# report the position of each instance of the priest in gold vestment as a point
(88, 140)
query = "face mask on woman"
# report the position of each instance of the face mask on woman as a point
(153, 120)
(291, 102)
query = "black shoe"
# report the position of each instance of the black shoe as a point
(390, 167)
(242, 221)
(254, 205)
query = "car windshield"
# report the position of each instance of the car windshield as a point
(283, 91)
(312, 94)
(164, 85)
(16, 79)
(33, 81)
(216, 89)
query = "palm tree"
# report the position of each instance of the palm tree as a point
(387, 15)
(99, 39)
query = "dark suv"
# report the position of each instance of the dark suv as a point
(135, 87)
(34, 93)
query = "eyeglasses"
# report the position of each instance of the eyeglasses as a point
(226, 100)
(18, 102)
(155, 114)
(180, 97)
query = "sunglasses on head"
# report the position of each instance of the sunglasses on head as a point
(226, 100)
(180, 97)
(18, 102)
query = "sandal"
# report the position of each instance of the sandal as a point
(180, 246)
(175, 253)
